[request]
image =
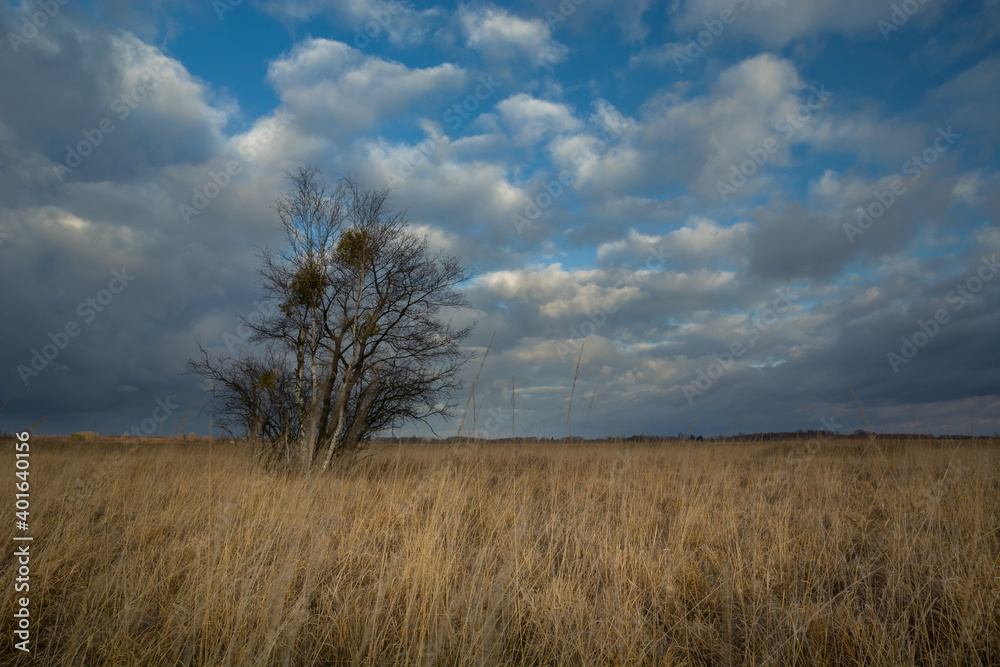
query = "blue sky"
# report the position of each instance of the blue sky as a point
(730, 206)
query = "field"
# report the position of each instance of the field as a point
(848, 553)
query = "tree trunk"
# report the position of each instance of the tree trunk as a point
(314, 397)
(353, 437)
(304, 452)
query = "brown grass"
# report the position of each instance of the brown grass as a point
(670, 554)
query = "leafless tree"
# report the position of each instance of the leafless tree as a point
(253, 399)
(358, 344)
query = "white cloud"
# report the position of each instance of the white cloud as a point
(700, 239)
(154, 112)
(630, 295)
(556, 291)
(968, 188)
(693, 140)
(529, 119)
(336, 90)
(370, 20)
(173, 93)
(498, 33)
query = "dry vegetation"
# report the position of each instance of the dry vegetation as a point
(564, 554)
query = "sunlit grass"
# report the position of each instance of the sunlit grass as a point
(680, 553)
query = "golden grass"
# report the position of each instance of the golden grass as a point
(673, 554)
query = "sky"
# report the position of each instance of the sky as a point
(741, 211)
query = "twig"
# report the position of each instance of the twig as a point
(569, 427)
(486, 354)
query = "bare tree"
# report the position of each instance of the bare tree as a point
(252, 397)
(358, 344)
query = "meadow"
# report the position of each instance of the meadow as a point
(852, 552)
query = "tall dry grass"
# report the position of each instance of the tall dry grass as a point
(562, 554)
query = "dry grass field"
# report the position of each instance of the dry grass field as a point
(684, 553)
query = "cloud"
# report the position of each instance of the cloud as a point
(645, 158)
(499, 35)
(693, 141)
(336, 91)
(666, 54)
(965, 100)
(698, 242)
(460, 186)
(776, 23)
(529, 119)
(403, 24)
(107, 105)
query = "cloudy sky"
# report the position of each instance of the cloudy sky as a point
(737, 208)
